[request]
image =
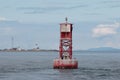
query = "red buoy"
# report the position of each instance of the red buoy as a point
(65, 60)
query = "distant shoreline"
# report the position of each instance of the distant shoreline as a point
(55, 51)
(29, 51)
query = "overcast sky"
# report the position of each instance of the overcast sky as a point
(96, 23)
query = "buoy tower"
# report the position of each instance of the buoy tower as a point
(65, 60)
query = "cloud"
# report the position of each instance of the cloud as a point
(93, 14)
(3, 19)
(110, 44)
(107, 4)
(105, 29)
(110, 1)
(34, 10)
(115, 6)
(6, 30)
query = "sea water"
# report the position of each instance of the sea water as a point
(39, 66)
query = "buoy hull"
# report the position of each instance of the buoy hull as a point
(65, 64)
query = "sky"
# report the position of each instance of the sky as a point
(96, 23)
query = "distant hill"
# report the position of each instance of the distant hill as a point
(103, 49)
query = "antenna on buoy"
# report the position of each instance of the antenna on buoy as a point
(66, 19)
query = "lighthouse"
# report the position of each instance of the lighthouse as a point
(65, 60)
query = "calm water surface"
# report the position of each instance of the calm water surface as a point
(38, 66)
